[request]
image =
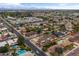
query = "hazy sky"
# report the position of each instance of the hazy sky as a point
(39, 1)
(41, 5)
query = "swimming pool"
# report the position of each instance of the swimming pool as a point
(21, 52)
(14, 46)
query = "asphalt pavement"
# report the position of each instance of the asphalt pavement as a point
(36, 50)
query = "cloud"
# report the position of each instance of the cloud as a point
(40, 5)
(10, 1)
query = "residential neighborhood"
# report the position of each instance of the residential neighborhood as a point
(40, 32)
(9, 45)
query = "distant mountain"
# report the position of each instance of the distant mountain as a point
(22, 6)
(35, 6)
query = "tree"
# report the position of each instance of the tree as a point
(29, 14)
(62, 27)
(23, 46)
(76, 28)
(20, 40)
(43, 17)
(4, 49)
(7, 46)
(69, 47)
(44, 49)
(14, 52)
(47, 45)
(38, 30)
(28, 49)
(59, 50)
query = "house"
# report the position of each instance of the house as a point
(15, 40)
(11, 42)
(30, 34)
(58, 34)
(65, 43)
(68, 26)
(52, 48)
(23, 30)
(3, 43)
(75, 38)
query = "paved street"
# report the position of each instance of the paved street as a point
(27, 41)
(75, 52)
(70, 52)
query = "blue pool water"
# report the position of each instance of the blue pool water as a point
(21, 52)
(14, 46)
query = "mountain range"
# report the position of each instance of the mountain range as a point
(32, 6)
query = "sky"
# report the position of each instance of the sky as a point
(36, 4)
(39, 5)
(39, 1)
